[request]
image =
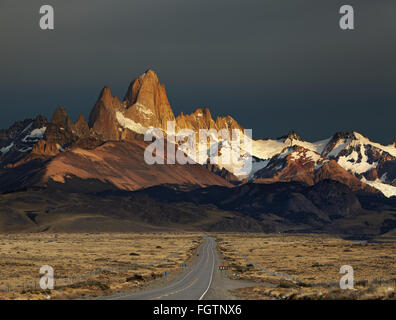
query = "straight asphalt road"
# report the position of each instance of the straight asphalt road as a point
(193, 285)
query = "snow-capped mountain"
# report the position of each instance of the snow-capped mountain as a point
(373, 163)
(370, 162)
(19, 140)
(349, 158)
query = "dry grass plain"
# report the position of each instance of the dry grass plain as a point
(120, 262)
(314, 260)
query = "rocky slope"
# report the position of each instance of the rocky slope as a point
(328, 206)
(120, 165)
(300, 164)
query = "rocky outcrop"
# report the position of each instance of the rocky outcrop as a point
(62, 134)
(371, 175)
(61, 119)
(146, 102)
(81, 128)
(201, 118)
(59, 130)
(39, 122)
(387, 172)
(102, 119)
(145, 105)
(45, 148)
(228, 122)
(337, 139)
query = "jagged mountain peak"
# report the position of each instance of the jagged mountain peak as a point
(146, 102)
(81, 127)
(149, 78)
(228, 122)
(130, 95)
(348, 136)
(297, 163)
(40, 121)
(338, 141)
(202, 114)
(146, 105)
(81, 118)
(344, 135)
(61, 117)
(106, 91)
(353, 139)
(205, 112)
(107, 98)
(202, 118)
(292, 135)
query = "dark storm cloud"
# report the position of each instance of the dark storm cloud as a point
(273, 65)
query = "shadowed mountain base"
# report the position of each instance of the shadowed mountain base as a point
(329, 207)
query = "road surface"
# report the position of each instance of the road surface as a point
(192, 285)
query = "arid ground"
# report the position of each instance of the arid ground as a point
(308, 266)
(279, 266)
(89, 264)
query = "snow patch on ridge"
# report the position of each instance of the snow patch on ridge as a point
(25, 149)
(265, 149)
(306, 154)
(352, 164)
(363, 141)
(35, 135)
(320, 165)
(338, 148)
(386, 189)
(319, 146)
(4, 150)
(147, 113)
(27, 128)
(130, 124)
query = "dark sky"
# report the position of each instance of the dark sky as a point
(274, 65)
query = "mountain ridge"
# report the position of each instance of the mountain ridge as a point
(348, 157)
